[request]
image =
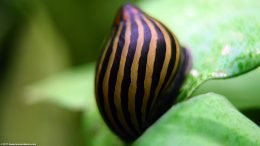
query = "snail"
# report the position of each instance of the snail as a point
(139, 73)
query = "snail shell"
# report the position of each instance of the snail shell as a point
(139, 73)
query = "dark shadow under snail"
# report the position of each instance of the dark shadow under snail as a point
(139, 73)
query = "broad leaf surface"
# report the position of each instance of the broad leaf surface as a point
(72, 89)
(205, 120)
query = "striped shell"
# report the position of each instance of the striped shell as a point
(137, 69)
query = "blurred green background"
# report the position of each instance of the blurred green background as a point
(41, 38)
(38, 39)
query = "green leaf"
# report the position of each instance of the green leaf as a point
(205, 120)
(73, 89)
(242, 91)
(223, 36)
